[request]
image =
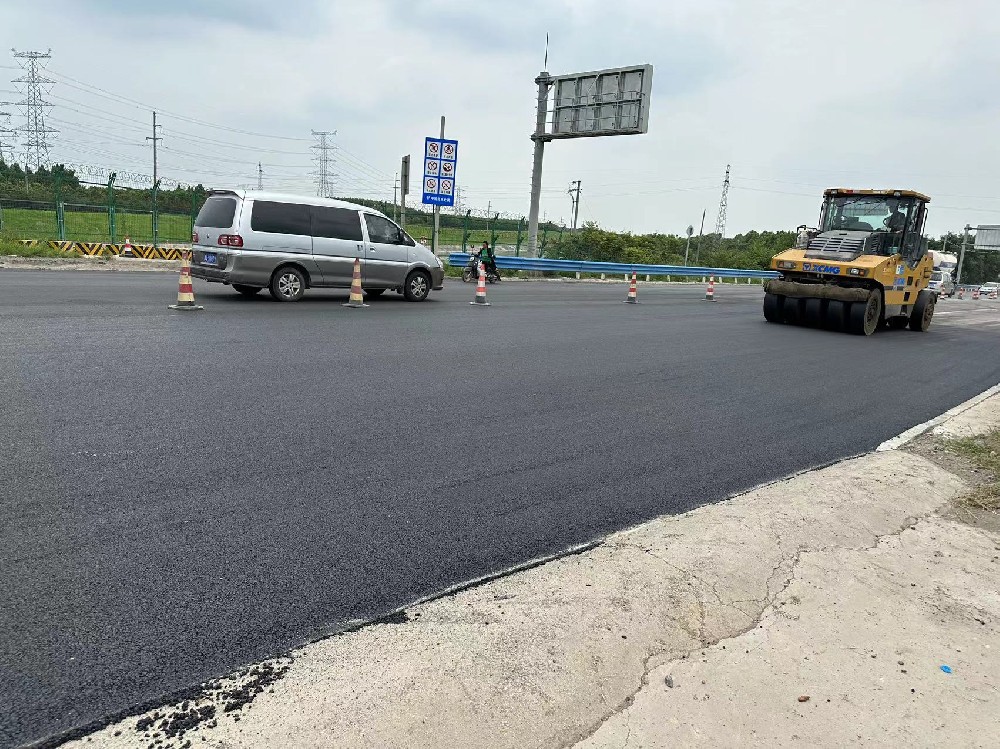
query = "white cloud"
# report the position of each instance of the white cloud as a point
(797, 96)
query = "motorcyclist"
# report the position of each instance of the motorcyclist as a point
(489, 259)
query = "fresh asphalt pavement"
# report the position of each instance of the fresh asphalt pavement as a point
(186, 493)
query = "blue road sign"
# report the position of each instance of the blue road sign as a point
(440, 165)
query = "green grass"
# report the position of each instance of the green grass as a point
(984, 453)
(9, 246)
(93, 227)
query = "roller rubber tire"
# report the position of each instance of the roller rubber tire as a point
(923, 311)
(865, 317)
(772, 307)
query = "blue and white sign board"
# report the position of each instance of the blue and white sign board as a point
(440, 165)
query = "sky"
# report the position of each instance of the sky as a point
(795, 95)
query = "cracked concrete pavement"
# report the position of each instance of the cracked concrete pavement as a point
(844, 586)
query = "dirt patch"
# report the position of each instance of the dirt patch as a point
(15, 262)
(977, 460)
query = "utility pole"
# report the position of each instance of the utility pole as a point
(324, 179)
(395, 199)
(544, 81)
(701, 231)
(33, 85)
(260, 176)
(156, 180)
(404, 188)
(436, 238)
(720, 219)
(574, 196)
(961, 256)
(687, 247)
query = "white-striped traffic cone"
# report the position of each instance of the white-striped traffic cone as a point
(710, 291)
(632, 292)
(185, 291)
(481, 288)
(127, 250)
(357, 299)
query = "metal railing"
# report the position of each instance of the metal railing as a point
(589, 266)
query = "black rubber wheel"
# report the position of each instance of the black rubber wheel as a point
(372, 293)
(247, 290)
(923, 311)
(897, 323)
(865, 317)
(467, 275)
(836, 315)
(772, 307)
(791, 310)
(417, 286)
(288, 284)
(813, 312)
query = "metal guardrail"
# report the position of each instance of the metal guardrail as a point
(461, 259)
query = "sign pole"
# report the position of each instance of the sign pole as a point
(544, 81)
(961, 256)
(404, 189)
(437, 211)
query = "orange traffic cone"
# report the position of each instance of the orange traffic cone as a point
(127, 250)
(993, 294)
(710, 291)
(961, 293)
(481, 288)
(632, 293)
(185, 292)
(357, 295)
(975, 293)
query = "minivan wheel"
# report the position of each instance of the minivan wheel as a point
(288, 284)
(246, 290)
(417, 286)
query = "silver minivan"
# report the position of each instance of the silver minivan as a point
(284, 243)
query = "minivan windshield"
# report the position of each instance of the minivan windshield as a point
(217, 213)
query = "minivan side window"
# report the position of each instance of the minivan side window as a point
(336, 223)
(280, 218)
(217, 213)
(382, 230)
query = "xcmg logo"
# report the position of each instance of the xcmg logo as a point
(815, 268)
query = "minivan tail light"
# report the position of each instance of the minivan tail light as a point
(194, 237)
(231, 240)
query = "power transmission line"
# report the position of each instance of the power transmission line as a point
(720, 219)
(324, 178)
(574, 196)
(34, 86)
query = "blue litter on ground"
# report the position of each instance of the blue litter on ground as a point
(946, 669)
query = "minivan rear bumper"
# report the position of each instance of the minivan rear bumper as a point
(212, 275)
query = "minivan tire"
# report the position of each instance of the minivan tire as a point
(246, 290)
(417, 286)
(288, 284)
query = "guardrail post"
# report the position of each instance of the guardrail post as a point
(465, 230)
(111, 207)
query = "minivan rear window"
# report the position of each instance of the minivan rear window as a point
(217, 213)
(280, 218)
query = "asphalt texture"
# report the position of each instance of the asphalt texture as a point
(185, 493)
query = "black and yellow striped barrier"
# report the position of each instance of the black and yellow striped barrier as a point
(101, 249)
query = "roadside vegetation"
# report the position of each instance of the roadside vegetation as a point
(984, 453)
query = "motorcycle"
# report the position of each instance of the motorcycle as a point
(471, 271)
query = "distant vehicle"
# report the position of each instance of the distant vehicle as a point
(988, 288)
(287, 243)
(941, 283)
(944, 261)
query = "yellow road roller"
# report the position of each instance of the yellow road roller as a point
(864, 267)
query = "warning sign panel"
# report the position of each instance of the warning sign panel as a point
(440, 166)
